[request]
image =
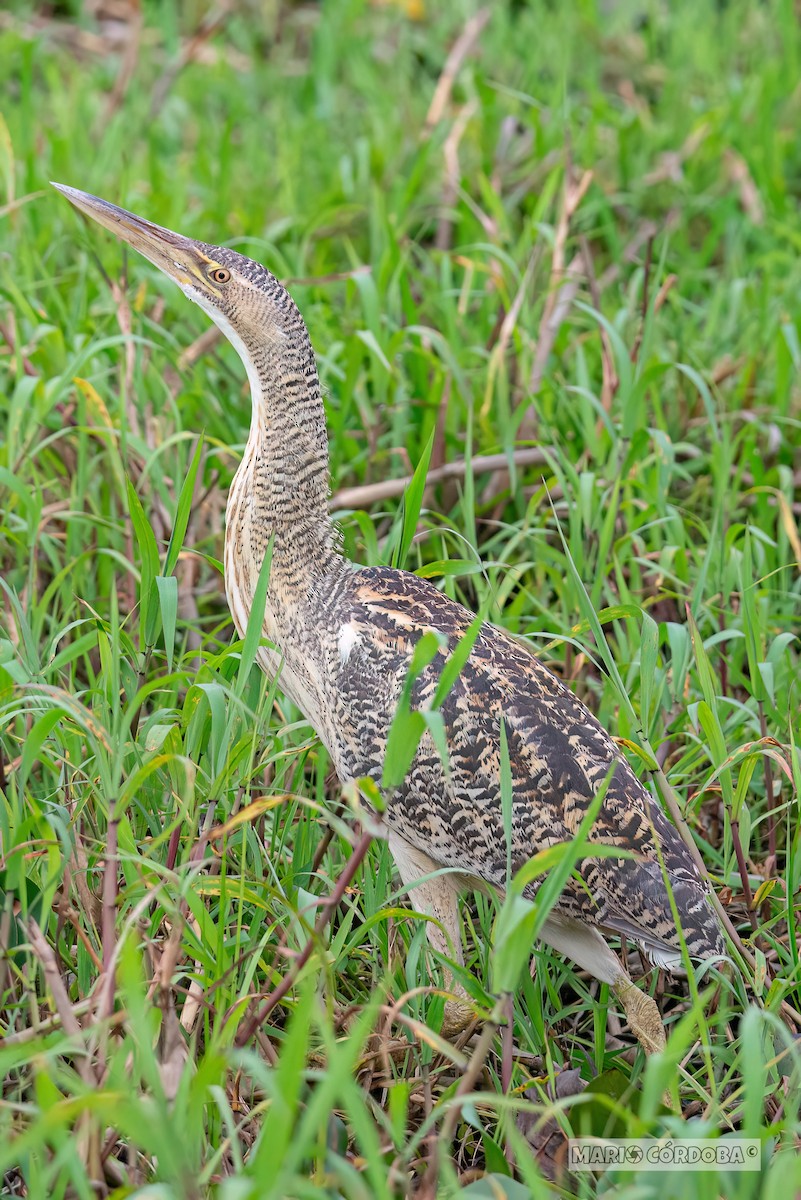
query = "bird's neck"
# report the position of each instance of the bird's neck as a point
(280, 490)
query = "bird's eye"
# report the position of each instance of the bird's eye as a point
(220, 275)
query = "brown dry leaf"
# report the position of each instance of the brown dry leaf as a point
(667, 170)
(662, 294)
(461, 48)
(202, 345)
(553, 317)
(787, 519)
(371, 493)
(739, 174)
(726, 367)
(547, 1139)
(172, 1049)
(249, 813)
(450, 187)
(669, 165)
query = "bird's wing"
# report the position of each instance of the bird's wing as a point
(558, 752)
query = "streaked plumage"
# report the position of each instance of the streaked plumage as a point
(558, 752)
(344, 637)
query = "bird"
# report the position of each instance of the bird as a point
(341, 640)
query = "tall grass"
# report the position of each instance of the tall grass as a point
(170, 830)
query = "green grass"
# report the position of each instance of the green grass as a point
(666, 502)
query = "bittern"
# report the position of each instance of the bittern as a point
(344, 637)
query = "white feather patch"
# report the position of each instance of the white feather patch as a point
(348, 638)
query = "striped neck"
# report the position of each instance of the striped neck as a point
(281, 487)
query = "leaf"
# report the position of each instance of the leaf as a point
(513, 937)
(183, 510)
(408, 726)
(638, 752)
(450, 568)
(457, 659)
(435, 725)
(412, 503)
(7, 160)
(751, 624)
(743, 784)
(250, 813)
(405, 733)
(494, 1155)
(32, 747)
(20, 489)
(768, 680)
(707, 708)
(591, 617)
(255, 629)
(371, 342)
(705, 394)
(520, 920)
(622, 358)
(649, 648)
(149, 556)
(496, 1187)
(599, 1115)
(168, 604)
(760, 971)
(787, 519)
(135, 781)
(507, 800)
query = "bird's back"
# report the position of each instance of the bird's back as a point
(558, 753)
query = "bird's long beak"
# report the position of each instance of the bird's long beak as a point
(175, 255)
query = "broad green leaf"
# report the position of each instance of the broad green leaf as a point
(455, 568)
(168, 605)
(39, 732)
(456, 659)
(496, 1187)
(408, 726)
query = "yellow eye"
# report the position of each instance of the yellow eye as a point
(219, 275)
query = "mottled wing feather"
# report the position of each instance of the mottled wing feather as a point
(559, 755)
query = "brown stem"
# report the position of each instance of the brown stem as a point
(386, 489)
(635, 350)
(321, 850)
(172, 848)
(329, 908)
(109, 917)
(468, 1081)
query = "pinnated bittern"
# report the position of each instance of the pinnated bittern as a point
(345, 636)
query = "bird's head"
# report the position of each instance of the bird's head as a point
(248, 303)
